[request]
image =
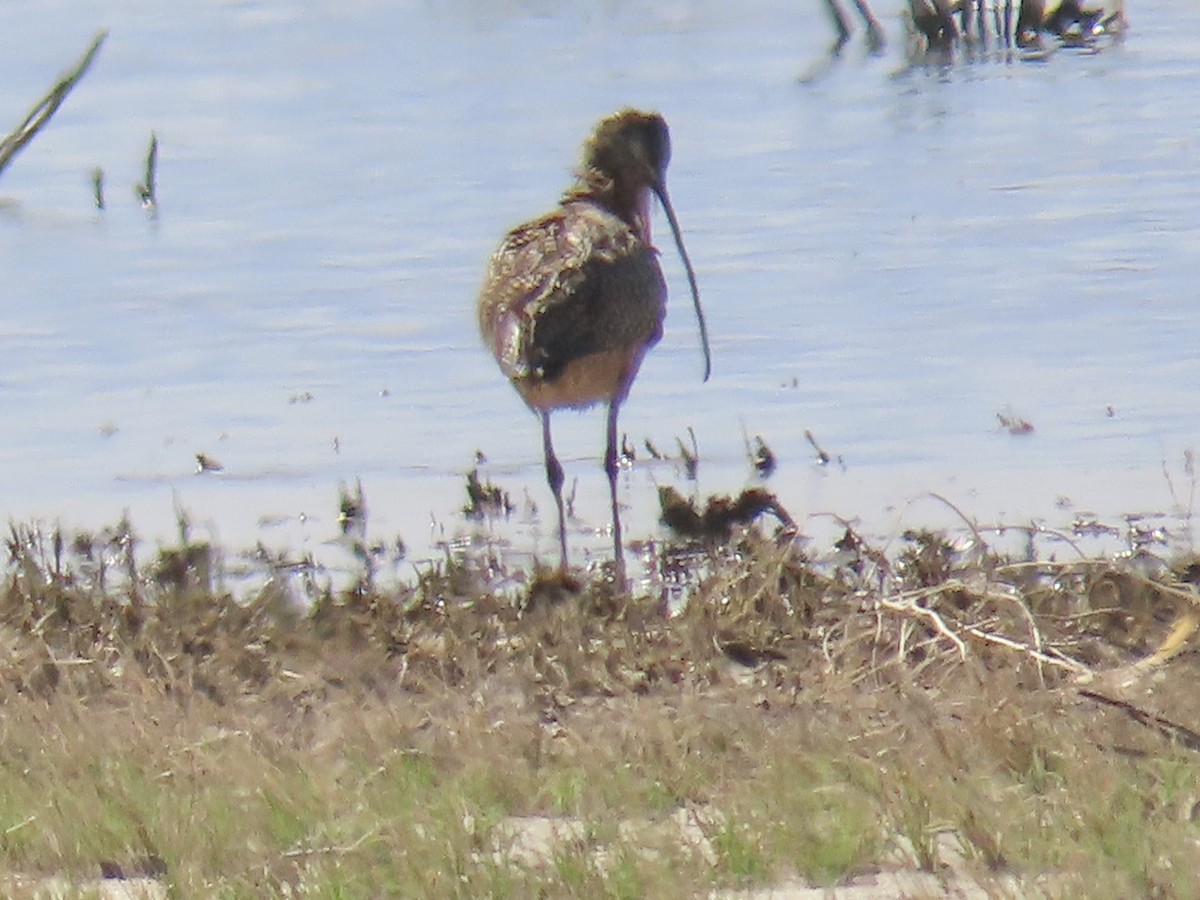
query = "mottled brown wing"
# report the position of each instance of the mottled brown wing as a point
(571, 283)
(614, 304)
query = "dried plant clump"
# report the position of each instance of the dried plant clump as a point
(485, 499)
(720, 515)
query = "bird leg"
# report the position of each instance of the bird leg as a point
(554, 475)
(611, 467)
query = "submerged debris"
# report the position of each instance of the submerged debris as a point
(628, 453)
(206, 463)
(1014, 424)
(761, 457)
(352, 509)
(486, 499)
(1072, 22)
(98, 187)
(1140, 535)
(720, 515)
(1087, 525)
(937, 27)
(691, 458)
(147, 189)
(824, 458)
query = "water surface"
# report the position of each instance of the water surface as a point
(888, 257)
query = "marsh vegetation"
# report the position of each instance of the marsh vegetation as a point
(803, 716)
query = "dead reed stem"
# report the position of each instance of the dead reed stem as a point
(48, 105)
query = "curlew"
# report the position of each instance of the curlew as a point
(573, 300)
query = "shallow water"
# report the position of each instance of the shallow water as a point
(888, 257)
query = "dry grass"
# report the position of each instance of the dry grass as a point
(939, 708)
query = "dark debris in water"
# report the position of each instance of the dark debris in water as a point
(147, 189)
(690, 457)
(98, 187)
(823, 457)
(206, 463)
(936, 31)
(628, 453)
(1014, 424)
(485, 499)
(762, 458)
(1089, 526)
(352, 509)
(720, 514)
(352, 523)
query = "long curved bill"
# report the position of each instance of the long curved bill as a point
(660, 191)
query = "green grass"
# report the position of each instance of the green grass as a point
(249, 812)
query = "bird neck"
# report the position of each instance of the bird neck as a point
(628, 202)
